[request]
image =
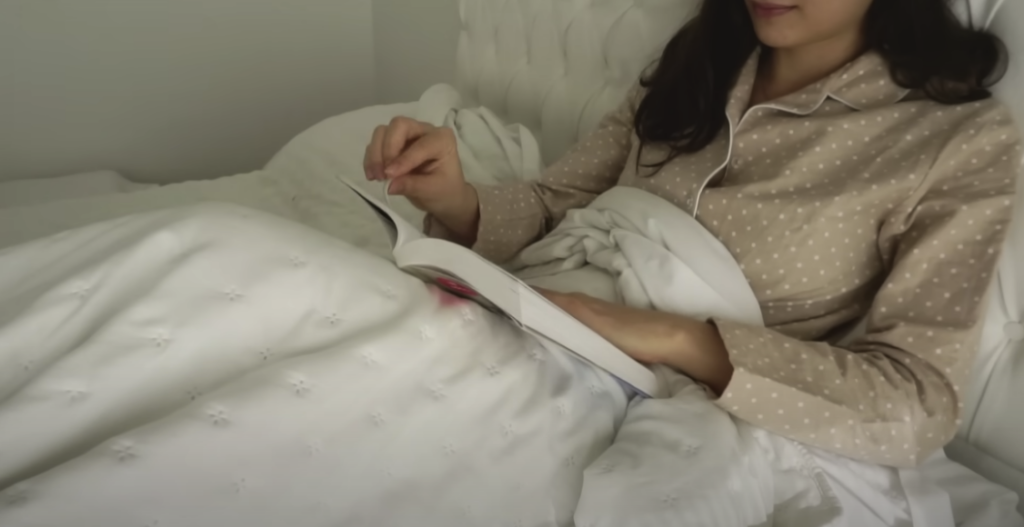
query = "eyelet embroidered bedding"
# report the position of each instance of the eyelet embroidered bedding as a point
(219, 366)
(216, 365)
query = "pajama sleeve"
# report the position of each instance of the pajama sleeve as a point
(895, 395)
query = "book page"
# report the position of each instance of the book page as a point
(459, 287)
(467, 274)
(462, 272)
(400, 231)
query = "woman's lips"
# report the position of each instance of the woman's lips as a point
(768, 10)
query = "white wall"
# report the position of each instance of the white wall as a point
(173, 89)
(415, 43)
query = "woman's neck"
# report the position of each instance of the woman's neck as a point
(784, 71)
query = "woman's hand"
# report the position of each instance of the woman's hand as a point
(692, 347)
(421, 162)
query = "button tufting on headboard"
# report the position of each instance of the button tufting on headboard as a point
(992, 418)
(557, 66)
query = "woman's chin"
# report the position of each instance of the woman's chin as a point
(778, 38)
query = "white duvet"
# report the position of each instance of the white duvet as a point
(216, 365)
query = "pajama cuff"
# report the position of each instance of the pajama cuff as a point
(509, 221)
(792, 388)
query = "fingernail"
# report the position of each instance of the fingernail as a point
(390, 171)
(394, 188)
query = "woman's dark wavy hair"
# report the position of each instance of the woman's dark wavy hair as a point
(925, 44)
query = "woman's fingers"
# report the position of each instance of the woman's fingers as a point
(428, 148)
(400, 133)
(574, 304)
(373, 160)
(388, 142)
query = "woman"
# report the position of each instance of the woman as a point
(848, 154)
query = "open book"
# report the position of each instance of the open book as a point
(464, 273)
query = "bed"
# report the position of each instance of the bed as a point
(556, 68)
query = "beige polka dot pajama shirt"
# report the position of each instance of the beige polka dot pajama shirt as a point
(853, 199)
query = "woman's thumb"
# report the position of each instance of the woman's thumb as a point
(405, 186)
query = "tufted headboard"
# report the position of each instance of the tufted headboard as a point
(558, 66)
(990, 440)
